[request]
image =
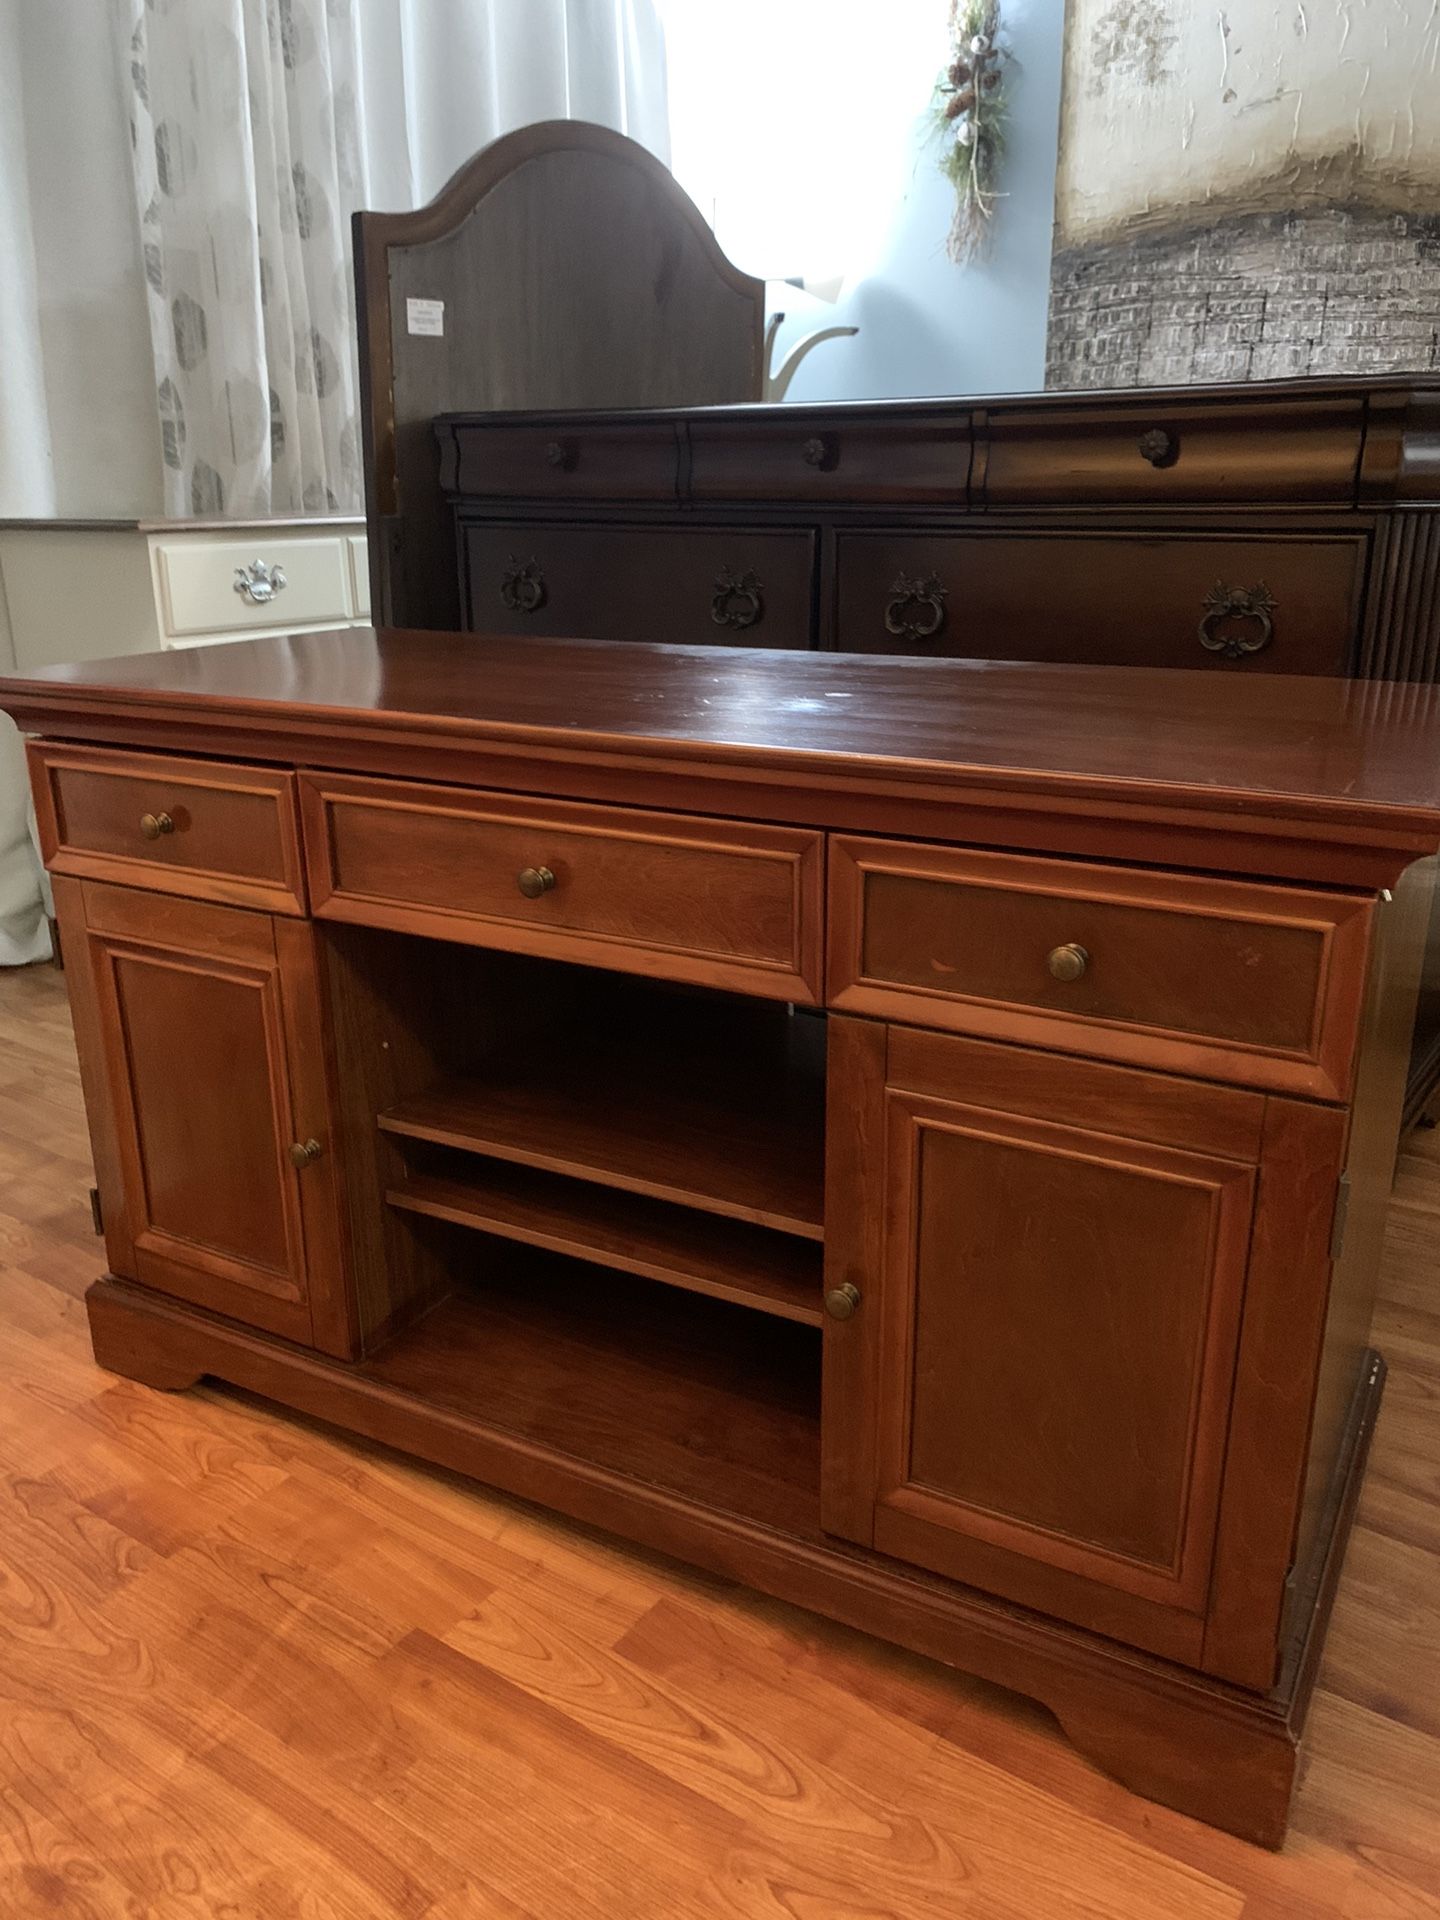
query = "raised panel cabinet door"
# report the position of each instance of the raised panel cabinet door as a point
(214, 1106)
(1041, 1343)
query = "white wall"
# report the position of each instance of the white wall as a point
(926, 325)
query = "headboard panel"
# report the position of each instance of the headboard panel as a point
(573, 272)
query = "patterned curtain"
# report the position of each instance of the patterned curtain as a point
(248, 163)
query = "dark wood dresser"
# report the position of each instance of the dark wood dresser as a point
(1280, 529)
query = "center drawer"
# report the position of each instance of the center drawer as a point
(701, 587)
(1229, 979)
(714, 902)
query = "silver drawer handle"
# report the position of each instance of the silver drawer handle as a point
(259, 582)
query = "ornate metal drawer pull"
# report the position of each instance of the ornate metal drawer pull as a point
(917, 608)
(1225, 607)
(522, 586)
(737, 601)
(260, 582)
(1160, 448)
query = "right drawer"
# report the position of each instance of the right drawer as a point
(1229, 979)
(1282, 604)
(737, 587)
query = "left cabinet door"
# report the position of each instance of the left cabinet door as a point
(201, 1042)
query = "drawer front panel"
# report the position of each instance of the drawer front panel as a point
(1225, 603)
(646, 893)
(904, 460)
(196, 827)
(545, 463)
(1154, 454)
(1259, 985)
(200, 592)
(734, 588)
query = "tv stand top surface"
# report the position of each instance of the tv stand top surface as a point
(820, 738)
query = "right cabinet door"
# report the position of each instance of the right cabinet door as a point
(1043, 1355)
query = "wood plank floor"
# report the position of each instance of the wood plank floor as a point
(250, 1671)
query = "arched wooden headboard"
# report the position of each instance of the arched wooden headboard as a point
(574, 272)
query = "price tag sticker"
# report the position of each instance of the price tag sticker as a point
(426, 317)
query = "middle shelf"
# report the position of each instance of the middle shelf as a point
(694, 1114)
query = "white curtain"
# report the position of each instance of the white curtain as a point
(441, 81)
(247, 162)
(258, 127)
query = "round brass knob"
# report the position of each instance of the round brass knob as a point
(841, 1301)
(1068, 962)
(533, 881)
(153, 825)
(304, 1151)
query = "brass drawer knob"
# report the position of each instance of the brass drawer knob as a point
(533, 881)
(304, 1151)
(841, 1301)
(155, 825)
(1068, 962)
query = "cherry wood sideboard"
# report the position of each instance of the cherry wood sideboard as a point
(1284, 528)
(910, 1136)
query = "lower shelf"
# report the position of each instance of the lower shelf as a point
(709, 1401)
(727, 1259)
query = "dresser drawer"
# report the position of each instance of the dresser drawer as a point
(712, 902)
(201, 590)
(1154, 452)
(514, 461)
(847, 459)
(1227, 979)
(1230, 603)
(196, 827)
(738, 587)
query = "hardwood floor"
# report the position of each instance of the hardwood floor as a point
(252, 1671)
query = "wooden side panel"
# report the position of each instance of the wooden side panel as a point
(1285, 1302)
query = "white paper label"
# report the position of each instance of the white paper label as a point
(425, 316)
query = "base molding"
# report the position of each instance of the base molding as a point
(1210, 1750)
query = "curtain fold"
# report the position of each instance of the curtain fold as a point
(247, 163)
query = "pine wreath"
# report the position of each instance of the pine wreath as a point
(968, 114)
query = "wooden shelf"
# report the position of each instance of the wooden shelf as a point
(732, 1128)
(704, 1399)
(726, 1259)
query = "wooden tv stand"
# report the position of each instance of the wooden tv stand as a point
(910, 1136)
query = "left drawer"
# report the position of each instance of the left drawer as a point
(714, 902)
(204, 828)
(224, 586)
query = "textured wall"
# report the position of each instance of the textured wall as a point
(1247, 191)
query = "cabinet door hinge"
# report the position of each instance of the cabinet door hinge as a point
(97, 1213)
(1341, 1216)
